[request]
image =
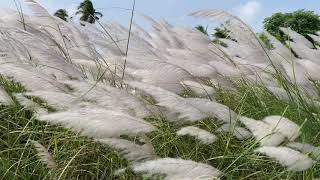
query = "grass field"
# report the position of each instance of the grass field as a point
(108, 102)
(81, 158)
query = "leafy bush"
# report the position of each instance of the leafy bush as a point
(301, 21)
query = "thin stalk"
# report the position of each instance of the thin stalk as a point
(128, 42)
(20, 11)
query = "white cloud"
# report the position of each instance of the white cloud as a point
(248, 11)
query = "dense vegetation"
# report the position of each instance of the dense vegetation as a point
(302, 21)
(76, 105)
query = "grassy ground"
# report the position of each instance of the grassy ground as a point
(81, 158)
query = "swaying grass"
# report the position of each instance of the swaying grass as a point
(81, 158)
(258, 102)
(77, 157)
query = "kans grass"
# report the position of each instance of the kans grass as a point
(45, 61)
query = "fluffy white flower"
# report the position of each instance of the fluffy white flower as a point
(314, 152)
(239, 132)
(293, 160)
(204, 136)
(177, 169)
(283, 125)
(264, 134)
(130, 150)
(5, 99)
(45, 157)
(99, 123)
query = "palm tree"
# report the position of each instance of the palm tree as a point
(62, 14)
(202, 29)
(88, 13)
(221, 32)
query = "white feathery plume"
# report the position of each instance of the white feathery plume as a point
(130, 150)
(297, 38)
(171, 101)
(314, 152)
(177, 169)
(315, 37)
(189, 109)
(204, 136)
(37, 51)
(45, 157)
(239, 31)
(279, 49)
(37, 9)
(192, 55)
(213, 109)
(32, 79)
(304, 52)
(199, 45)
(261, 78)
(89, 68)
(10, 18)
(262, 131)
(239, 51)
(165, 36)
(279, 92)
(239, 132)
(99, 123)
(109, 97)
(300, 74)
(199, 89)
(226, 68)
(223, 82)
(29, 104)
(144, 62)
(196, 68)
(5, 99)
(311, 68)
(46, 23)
(293, 160)
(165, 75)
(57, 100)
(284, 126)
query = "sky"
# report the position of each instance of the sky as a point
(176, 11)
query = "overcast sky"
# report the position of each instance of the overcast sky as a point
(176, 11)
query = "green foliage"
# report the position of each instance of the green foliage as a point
(202, 29)
(62, 14)
(301, 21)
(221, 32)
(88, 13)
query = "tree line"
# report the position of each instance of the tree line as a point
(302, 21)
(85, 9)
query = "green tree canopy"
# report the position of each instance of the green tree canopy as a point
(301, 21)
(62, 14)
(88, 13)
